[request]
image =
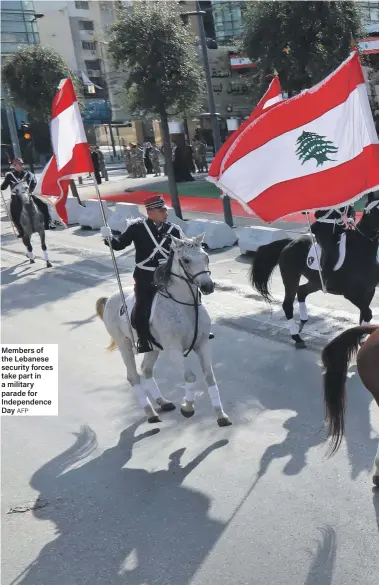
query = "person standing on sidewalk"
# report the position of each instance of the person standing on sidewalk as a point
(96, 164)
(102, 163)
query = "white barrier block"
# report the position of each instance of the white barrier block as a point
(73, 209)
(217, 233)
(251, 238)
(122, 213)
(172, 218)
(91, 216)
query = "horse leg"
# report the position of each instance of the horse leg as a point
(187, 407)
(302, 293)
(27, 243)
(42, 236)
(366, 312)
(126, 349)
(291, 280)
(375, 477)
(150, 384)
(203, 352)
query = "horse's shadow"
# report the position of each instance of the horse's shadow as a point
(118, 525)
(323, 564)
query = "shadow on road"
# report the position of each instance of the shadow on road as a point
(322, 567)
(116, 524)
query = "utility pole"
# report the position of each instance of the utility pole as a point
(211, 102)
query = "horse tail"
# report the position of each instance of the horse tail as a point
(100, 306)
(266, 258)
(336, 357)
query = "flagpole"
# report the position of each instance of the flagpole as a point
(316, 252)
(114, 263)
(8, 214)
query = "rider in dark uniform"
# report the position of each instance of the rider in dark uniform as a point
(328, 227)
(152, 241)
(11, 179)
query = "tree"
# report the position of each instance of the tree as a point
(302, 41)
(157, 52)
(311, 145)
(32, 75)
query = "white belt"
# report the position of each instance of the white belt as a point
(158, 248)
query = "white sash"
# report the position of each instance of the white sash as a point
(158, 248)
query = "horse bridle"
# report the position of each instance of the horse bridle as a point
(367, 210)
(189, 279)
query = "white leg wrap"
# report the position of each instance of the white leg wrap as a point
(303, 311)
(293, 327)
(30, 255)
(365, 323)
(377, 458)
(214, 395)
(152, 387)
(190, 392)
(45, 256)
(141, 395)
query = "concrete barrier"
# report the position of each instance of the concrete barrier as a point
(123, 212)
(90, 216)
(73, 209)
(251, 238)
(217, 233)
(171, 217)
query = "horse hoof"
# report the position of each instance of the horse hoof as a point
(167, 407)
(187, 413)
(300, 345)
(154, 419)
(31, 261)
(224, 422)
(49, 265)
(375, 480)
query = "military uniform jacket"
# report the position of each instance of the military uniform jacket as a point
(152, 245)
(12, 178)
(334, 215)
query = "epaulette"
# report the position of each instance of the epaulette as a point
(132, 221)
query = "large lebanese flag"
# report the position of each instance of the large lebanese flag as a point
(71, 150)
(272, 96)
(316, 150)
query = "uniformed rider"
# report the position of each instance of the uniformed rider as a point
(152, 241)
(13, 178)
(328, 227)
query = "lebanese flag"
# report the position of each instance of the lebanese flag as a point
(316, 150)
(71, 150)
(272, 96)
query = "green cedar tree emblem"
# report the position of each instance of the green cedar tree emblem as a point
(311, 145)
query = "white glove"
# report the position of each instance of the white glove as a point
(106, 232)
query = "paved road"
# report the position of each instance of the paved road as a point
(254, 504)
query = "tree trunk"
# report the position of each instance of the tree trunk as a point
(169, 166)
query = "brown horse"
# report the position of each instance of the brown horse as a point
(336, 358)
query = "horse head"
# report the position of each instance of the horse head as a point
(191, 260)
(371, 212)
(22, 191)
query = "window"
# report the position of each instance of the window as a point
(86, 25)
(14, 37)
(82, 5)
(89, 45)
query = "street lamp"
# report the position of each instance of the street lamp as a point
(211, 102)
(108, 96)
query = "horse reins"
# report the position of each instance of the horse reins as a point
(189, 279)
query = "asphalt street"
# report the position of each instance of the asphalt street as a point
(120, 502)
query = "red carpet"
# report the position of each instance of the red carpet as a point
(200, 204)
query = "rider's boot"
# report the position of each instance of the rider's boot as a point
(143, 346)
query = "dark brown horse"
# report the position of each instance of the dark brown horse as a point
(336, 358)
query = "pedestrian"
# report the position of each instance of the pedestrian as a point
(15, 176)
(96, 164)
(191, 164)
(155, 160)
(180, 163)
(102, 163)
(147, 158)
(128, 160)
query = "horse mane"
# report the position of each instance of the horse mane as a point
(162, 274)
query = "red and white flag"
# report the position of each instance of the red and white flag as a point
(71, 150)
(272, 96)
(316, 150)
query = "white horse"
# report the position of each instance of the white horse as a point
(178, 322)
(31, 221)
